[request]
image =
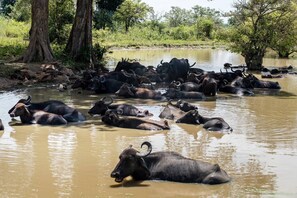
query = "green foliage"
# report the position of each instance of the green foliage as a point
(211, 14)
(61, 15)
(21, 11)
(108, 5)
(205, 27)
(255, 24)
(182, 32)
(284, 42)
(103, 19)
(104, 12)
(13, 38)
(11, 48)
(6, 6)
(178, 16)
(131, 12)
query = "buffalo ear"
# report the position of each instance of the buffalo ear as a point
(143, 165)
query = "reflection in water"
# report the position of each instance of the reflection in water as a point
(61, 148)
(76, 160)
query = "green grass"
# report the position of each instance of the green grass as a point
(14, 39)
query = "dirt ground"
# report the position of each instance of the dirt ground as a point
(17, 75)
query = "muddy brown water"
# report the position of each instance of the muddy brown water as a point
(76, 160)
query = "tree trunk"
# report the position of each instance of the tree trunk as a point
(254, 60)
(79, 45)
(39, 49)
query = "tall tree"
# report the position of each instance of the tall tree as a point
(39, 49)
(79, 45)
(131, 12)
(285, 40)
(104, 12)
(255, 23)
(207, 12)
(179, 16)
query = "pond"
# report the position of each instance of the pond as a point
(76, 160)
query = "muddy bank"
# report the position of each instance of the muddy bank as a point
(18, 75)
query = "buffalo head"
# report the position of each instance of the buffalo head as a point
(132, 164)
(110, 118)
(23, 101)
(125, 91)
(191, 117)
(101, 106)
(19, 110)
(185, 106)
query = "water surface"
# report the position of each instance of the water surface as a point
(76, 160)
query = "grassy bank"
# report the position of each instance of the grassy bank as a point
(14, 39)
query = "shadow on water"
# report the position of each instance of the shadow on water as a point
(130, 183)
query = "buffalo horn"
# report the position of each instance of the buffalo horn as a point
(28, 99)
(120, 111)
(232, 69)
(107, 102)
(193, 64)
(126, 73)
(149, 149)
(178, 83)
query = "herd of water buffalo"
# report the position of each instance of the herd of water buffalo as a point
(171, 81)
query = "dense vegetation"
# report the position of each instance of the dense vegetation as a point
(124, 23)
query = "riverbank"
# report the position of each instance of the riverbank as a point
(19, 75)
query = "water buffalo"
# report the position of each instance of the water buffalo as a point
(40, 117)
(1, 125)
(113, 119)
(210, 124)
(175, 111)
(256, 83)
(171, 112)
(208, 86)
(104, 85)
(172, 93)
(129, 65)
(187, 86)
(130, 91)
(104, 104)
(185, 106)
(174, 70)
(235, 90)
(53, 106)
(166, 165)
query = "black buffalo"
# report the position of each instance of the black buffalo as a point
(113, 119)
(130, 91)
(172, 93)
(187, 86)
(210, 124)
(185, 106)
(169, 166)
(53, 106)
(36, 116)
(171, 112)
(130, 65)
(256, 83)
(104, 104)
(102, 84)
(176, 69)
(175, 111)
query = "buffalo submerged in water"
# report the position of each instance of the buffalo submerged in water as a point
(165, 165)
